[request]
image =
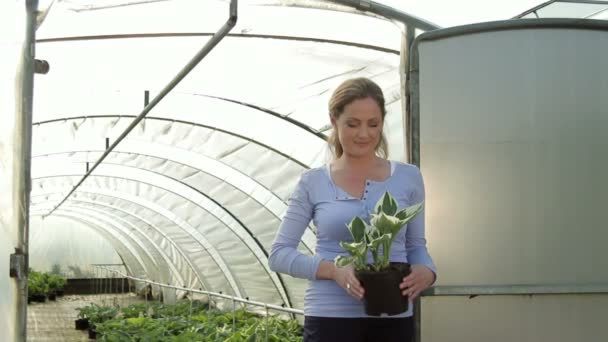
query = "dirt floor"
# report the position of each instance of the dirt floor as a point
(54, 321)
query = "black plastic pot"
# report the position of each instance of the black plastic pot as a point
(40, 298)
(92, 333)
(60, 293)
(53, 296)
(82, 324)
(382, 292)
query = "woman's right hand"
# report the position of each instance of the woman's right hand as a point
(345, 277)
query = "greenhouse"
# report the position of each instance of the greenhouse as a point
(149, 149)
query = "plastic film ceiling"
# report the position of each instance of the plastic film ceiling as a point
(194, 194)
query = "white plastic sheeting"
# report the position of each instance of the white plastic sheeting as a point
(59, 247)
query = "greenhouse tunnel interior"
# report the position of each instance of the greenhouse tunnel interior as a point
(194, 194)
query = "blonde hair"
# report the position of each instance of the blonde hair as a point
(347, 92)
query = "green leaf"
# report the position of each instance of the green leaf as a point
(387, 205)
(357, 229)
(375, 243)
(342, 260)
(386, 224)
(354, 248)
(410, 212)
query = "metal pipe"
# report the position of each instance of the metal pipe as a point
(207, 34)
(230, 23)
(215, 294)
(388, 12)
(407, 38)
(534, 9)
(588, 2)
(23, 151)
(277, 279)
(596, 13)
(562, 289)
(545, 4)
(194, 124)
(167, 238)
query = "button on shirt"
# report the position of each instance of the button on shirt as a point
(317, 198)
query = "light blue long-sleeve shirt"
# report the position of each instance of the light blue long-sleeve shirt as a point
(317, 198)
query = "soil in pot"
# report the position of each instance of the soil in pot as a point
(382, 292)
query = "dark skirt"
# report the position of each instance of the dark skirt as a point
(330, 329)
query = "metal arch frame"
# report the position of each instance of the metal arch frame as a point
(297, 123)
(362, 5)
(196, 125)
(137, 247)
(206, 246)
(130, 150)
(113, 241)
(141, 251)
(367, 7)
(132, 245)
(122, 250)
(191, 123)
(275, 278)
(209, 34)
(148, 224)
(184, 226)
(545, 4)
(175, 274)
(185, 70)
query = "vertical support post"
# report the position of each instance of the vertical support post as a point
(107, 290)
(233, 315)
(191, 297)
(407, 38)
(123, 291)
(208, 306)
(266, 319)
(20, 162)
(93, 286)
(418, 320)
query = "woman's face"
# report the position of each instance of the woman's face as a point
(359, 127)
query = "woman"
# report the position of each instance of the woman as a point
(330, 196)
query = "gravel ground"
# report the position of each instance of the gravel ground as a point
(54, 321)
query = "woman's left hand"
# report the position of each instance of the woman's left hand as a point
(420, 278)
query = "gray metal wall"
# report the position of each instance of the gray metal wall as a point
(512, 131)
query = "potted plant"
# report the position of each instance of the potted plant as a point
(381, 278)
(56, 284)
(82, 322)
(37, 287)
